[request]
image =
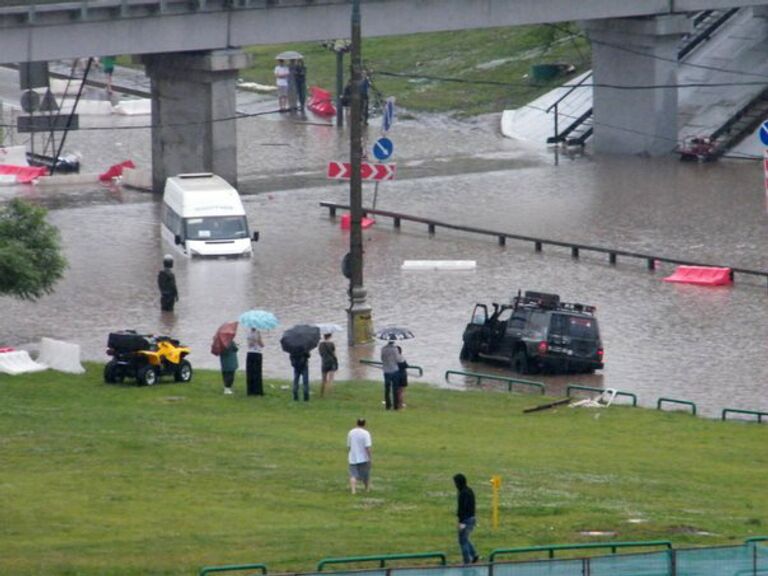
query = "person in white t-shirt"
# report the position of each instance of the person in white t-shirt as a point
(282, 72)
(359, 444)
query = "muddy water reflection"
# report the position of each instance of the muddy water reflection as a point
(699, 344)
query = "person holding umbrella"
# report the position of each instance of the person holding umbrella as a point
(253, 376)
(256, 320)
(300, 363)
(225, 348)
(390, 358)
(298, 341)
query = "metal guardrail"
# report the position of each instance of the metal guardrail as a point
(382, 559)
(539, 243)
(551, 549)
(674, 401)
(601, 390)
(378, 364)
(757, 413)
(481, 376)
(232, 568)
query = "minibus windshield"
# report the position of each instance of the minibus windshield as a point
(216, 228)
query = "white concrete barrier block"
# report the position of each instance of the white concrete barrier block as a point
(135, 178)
(14, 155)
(139, 107)
(439, 265)
(60, 355)
(19, 362)
(68, 179)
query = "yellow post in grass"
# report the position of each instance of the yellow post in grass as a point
(496, 485)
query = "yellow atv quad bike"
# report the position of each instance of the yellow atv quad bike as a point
(145, 358)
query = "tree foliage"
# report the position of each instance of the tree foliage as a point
(30, 254)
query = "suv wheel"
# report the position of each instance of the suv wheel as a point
(520, 362)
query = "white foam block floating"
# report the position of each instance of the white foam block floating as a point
(439, 265)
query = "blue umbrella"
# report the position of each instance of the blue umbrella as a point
(259, 319)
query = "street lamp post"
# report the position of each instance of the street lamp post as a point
(359, 327)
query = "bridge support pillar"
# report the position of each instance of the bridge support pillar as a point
(628, 53)
(193, 113)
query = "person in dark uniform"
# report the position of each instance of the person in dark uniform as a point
(166, 282)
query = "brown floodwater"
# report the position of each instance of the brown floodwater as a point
(706, 345)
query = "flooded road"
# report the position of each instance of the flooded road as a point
(706, 345)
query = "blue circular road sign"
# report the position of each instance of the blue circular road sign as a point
(383, 148)
(764, 133)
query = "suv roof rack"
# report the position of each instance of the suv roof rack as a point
(548, 301)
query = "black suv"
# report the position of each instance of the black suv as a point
(536, 332)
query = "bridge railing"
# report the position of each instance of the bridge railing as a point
(651, 260)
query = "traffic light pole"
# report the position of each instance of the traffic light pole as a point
(359, 323)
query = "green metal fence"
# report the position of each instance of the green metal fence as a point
(551, 549)
(381, 559)
(233, 568)
(748, 559)
(759, 415)
(411, 367)
(480, 376)
(572, 387)
(661, 401)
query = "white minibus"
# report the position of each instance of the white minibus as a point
(204, 217)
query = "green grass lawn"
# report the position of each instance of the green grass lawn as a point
(492, 66)
(105, 479)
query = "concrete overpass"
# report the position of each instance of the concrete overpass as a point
(46, 30)
(191, 52)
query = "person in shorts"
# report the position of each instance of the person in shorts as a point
(282, 73)
(359, 444)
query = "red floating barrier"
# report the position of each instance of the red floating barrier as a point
(24, 174)
(116, 170)
(346, 220)
(701, 275)
(7, 349)
(321, 102)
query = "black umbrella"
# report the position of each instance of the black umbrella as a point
(300, 338)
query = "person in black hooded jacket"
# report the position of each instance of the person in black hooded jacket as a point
(465, 511)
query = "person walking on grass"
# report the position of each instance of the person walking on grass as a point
(359, 444)
(465, 511)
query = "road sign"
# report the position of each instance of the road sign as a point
(47, 123)
(764, 133)
(30, 101)
(343, 171)
(388, 117)
(383, 148)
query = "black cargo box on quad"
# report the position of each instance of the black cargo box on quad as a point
(129, 341)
